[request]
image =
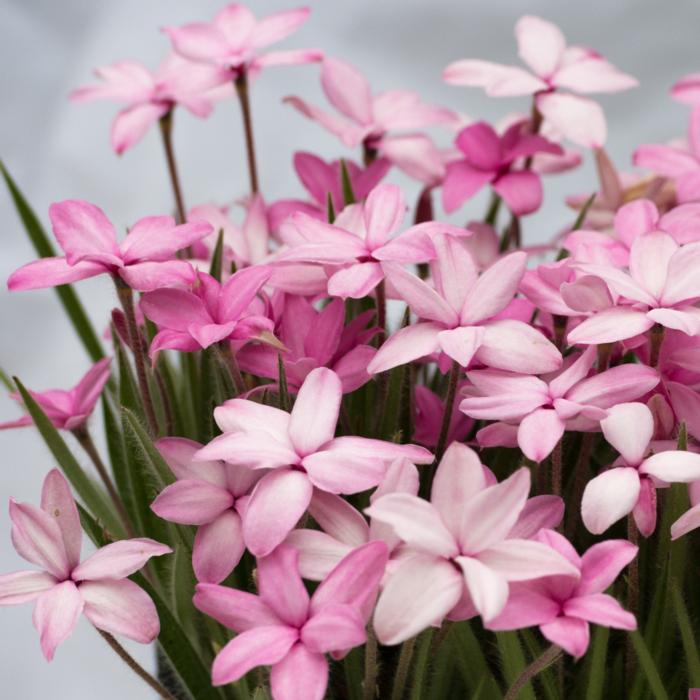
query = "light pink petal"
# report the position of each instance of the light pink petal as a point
(609, 326)
(690, 520)
(541, 44)
(176, 309)
(382, 450)
(454, 270)
(602, 563)
(337, 472)
(406, 345)
(347, 90)
(571, 634)
(416, 155)
(275, 506)
(51, 272)
(521, 191)
(577, 118)
(644, 512)
(278, 26)
(119, 559)
(600, 609)
(301, 675)
(682, 281)
(157, 238)
(609, 497)
(502, 406)
(574, 373)
(616, 385)
(686, 320)
(649, 260)
(131, 124)
(461, 343)
(237, 610)
(191, 502)
(24, 586)
(498, 80)
(179, 454)
(352, 367)
(384, 211)
(338, 518)
(256, 449)
(334, 627)
(355, 281)
(121, 607)
(523, 560)
(629, 428)
(348, 133)
(281, 587)
(664, 160)
(462, 181)
(527, 606)
(487, 588)
(57, 501)
(319, 553)
(147, 276)
(56, 614)
(198, 41)
(481, 145)
(635, 218)
(593, 75)
(89, 388)
(403, 109)
(420, 593)
(218, 547)
(673, 466)
(587, 293)
(539, 433)
(240, 414)
(539, 512)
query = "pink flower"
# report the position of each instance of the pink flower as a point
(690, 520)
(234, 38)
(144, 260)
(554, 66)
(314, 339)
(563, 606)
(191, 320)
(662, 287)
(360, 240)
(630, 485)
(457, 317)
(282, 627)
(301, 453)
(68, 410)
(211, 495)
(488, 158)
(50, 537)
(428, 419)
(367, 119)
(151, 95)
(541, 409)
(458, 549)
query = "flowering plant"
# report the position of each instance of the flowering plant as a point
(350, 456)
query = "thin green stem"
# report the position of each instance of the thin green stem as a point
(241, 85)
(548, 657)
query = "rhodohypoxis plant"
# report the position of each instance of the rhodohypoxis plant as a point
(374, 449)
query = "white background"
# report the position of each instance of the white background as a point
(58, 150)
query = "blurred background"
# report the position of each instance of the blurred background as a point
(57, 150)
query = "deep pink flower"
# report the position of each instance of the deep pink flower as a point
(563, 606)
(144, 259)
(284, 628)
(68, 410)
(487, 159)
(457, 317)
(630, 485)
(554, 65)
(458, 548)
(429, 408)
(234, 38)
(50, 537)
(541, 409)
(149, 95)
(301, 453)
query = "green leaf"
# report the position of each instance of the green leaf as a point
(513, 662)
(129, 395)
(584, 212)
(117, 458)
(468, 653)
(346, 183)
(282, 384)
(597, 668)
(646, 662)
(88, 492)
(43, 247)
(685, 626)
(217, 257)
(330, 208)
(6, 381)
(420, 664)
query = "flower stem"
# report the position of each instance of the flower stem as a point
(402, 669)
(557, 467)
(369, 683)
(241, 85)
(380, 293)
(547, 658)
(452, 381)
(228, 360)
(655, 342)
(632, 599)
(135, 666)
(166, 131)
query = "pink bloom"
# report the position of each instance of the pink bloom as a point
(630, 485)
(457, 317)
(284, 628)
(314, 339)
(211, 495)
(488, 158)
(428, 419)
(458, 548)
(690, 520)
(50, 537)
(563, 606)
(542, 46)
(234, 38)
(301, 453)
(68, 410)
(144, 260)
(662, 287)
(360, 240)
(151, 95)
(541, 409)
(191, 320)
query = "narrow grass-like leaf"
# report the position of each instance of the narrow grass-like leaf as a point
(330, 208)
(420, 663)
(217, 258)
(346, 184)
(647, 665)
(284, 402)
(597, 668)
(685, 625)
(468, 654)
(513, 662)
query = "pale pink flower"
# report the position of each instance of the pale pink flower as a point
(234, 38)
(563, 606)
(50, 537)
(301, 452)
(457, 316)
(687, 89)
(284, 628)
(144, 260)
(68, 410)
(554, 66)
(459, 550)
(542, 409)
(150, 95)
(630, 485)
(690, 520)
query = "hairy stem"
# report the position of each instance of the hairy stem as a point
(557, 467)
(166, 132)
(228, 360)
(452, 381)
(402, 669)
(369, 683)
(548, 657)
(241, 85)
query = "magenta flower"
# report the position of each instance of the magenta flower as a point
(630, 485)
(554, 66)
(211, 495)
(457, 317)
(314, 339)
(144, 260)
(68, 410)
(542, 409)
(151, 95)
(661, 286)
(458, 549)
(487, 159)
(563, 606)
(234, 38)
(360, 240)
(191, 320)
(50, 537)
(284, 628)
(301, 453)
(429, 408)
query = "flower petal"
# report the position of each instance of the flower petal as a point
(539, 433)
(57, 501)
(280, 585)
(24, 586)
(488, 589)
(218, 547)
(301, 675)
(191, 502)
(609, 497)
(570, 633)
(56, 614)
(237, 610)
(629, 428)
(602, 563)
(119, 559)
(600, 609)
